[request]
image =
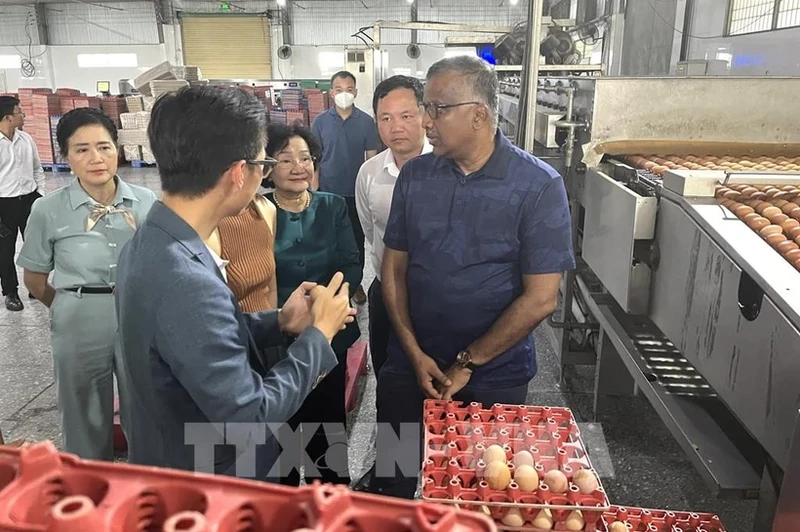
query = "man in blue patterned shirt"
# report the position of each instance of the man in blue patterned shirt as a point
(476, 243)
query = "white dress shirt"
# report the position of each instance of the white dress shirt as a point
(374, 189)
(20, 168)
(221, 263)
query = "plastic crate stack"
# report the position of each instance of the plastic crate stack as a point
(277, 116)
(39, 105)
(44, 491)
(112, 107)
(318, 103)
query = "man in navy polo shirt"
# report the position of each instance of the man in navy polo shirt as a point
(476, 243)
(348, 137)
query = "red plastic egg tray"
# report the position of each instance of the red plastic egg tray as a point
(44, 491)
(457, 435)
(643, 520)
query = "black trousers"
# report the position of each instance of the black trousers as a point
(358, 231)
(14, 214)
(324, 419)
(400, 403)
(379, 326)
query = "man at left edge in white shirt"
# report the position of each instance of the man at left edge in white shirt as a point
(21, 183)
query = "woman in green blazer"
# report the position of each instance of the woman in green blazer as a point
(313, 240)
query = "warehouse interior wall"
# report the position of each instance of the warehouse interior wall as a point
(649, 37)
(770, 53)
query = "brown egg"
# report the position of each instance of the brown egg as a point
(526, 478)
(778, 219)
(746, 163)
(586, 481)
(770, 230)
(494, 453)
(792, 255)
(758, 195)
(779, 202)
(522, 458)
(775, 239)
(795, 213)
(789, 224)
(545, 520)
(793, 233)
(618, 526)
(513, 518)
(659, 169)
(796, 264)
(743, 210)
(497, 475)
(748, 191)
(575, 521)
(769, 212)
(761, 205)
(556, 481)
(787, 188)
(748, 218)
(649, 165)
(789, 207)
(771, 192)
(786, 246)
(797, 240)
(758, 223)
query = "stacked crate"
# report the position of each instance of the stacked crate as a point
(39, 107)
(112, 107)
(318, 103)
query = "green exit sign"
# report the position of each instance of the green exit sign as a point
(225, 6)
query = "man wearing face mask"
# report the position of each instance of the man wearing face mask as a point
(348, 137)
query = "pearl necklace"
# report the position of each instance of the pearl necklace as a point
(278, 203)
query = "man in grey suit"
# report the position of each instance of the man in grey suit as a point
(198, 388)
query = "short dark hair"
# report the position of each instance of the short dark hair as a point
(78, 118)
(280, 134)
(196, 133)
(396, 82)
(343, 74)
(7, 105)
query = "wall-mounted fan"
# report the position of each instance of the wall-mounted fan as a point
(413, 51)
(285, 52)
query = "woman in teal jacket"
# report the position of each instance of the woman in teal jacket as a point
(314, 239)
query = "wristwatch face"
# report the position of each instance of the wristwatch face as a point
(464, 358)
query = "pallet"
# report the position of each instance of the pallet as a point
(58, 167)
(142, 164)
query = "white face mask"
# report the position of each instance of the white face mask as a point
(344, 100)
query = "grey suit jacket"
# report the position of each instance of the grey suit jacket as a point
(191, 373)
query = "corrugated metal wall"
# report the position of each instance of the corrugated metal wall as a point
(18, 26)
(334, 21)
(112, 23)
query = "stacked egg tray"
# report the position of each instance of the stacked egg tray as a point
(627, 519)
(44, 491)
(771, 211)
(456, 437)
(659, 164)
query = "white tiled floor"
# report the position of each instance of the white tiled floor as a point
(641, 464)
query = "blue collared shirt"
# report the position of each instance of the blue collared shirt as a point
(470, 239)
(344, 143)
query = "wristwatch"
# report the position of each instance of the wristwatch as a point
(464, 359)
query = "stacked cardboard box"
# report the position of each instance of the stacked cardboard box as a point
(159, 87)
(135, 104)
(133, 137)
(293, 99)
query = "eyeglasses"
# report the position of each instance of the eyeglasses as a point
(433, 109)
(265, 164)
(286, 162)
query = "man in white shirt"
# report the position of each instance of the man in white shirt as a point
(21, 183)
(397, 104)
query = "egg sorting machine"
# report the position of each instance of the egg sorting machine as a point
(675, 297)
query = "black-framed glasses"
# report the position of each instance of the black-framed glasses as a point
(265, 164)
(433, 108)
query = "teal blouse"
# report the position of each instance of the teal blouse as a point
(313, 245)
